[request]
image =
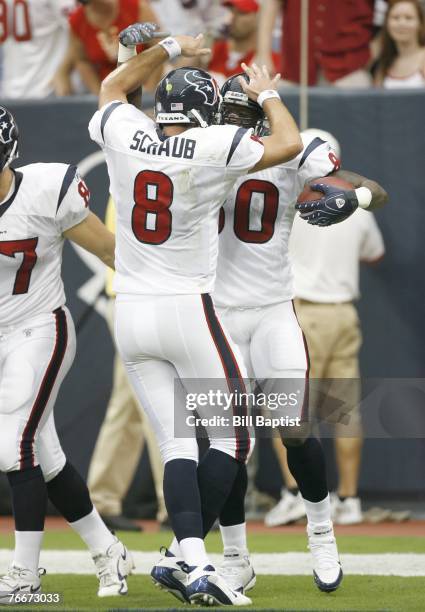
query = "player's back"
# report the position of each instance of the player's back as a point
(254, 267)
(35, 36)
(168, 192)
(46, 201)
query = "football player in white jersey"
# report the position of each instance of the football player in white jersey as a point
(34, 37)
(40, 206)
(253, 295)
(168, 180)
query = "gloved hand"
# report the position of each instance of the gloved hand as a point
(140, 33)
(336, 205)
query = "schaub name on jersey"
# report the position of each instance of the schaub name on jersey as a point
(46, 200)
(168, 193)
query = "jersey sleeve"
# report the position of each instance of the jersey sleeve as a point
(244, 153)
(316, 160)
(372, 246)
(106, 125)
(73, 200)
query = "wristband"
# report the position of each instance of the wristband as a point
(364, 196)
(171, 46)
(125, 53)
(267, 94)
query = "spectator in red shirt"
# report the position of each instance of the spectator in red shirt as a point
(240, 43)
(93, 46)
(340, 33)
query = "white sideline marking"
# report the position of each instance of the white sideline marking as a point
(278, 564)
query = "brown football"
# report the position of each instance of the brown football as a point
(309, 195)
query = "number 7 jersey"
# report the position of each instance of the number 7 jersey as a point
(254, 267)
(45, 201)
(168, 193)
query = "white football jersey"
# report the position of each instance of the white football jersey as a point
(34, 37)
(47, 199)
(254, 267)
(168, 193)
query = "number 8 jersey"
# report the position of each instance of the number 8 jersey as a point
(168, 193)
(254, 267)
(45, 200)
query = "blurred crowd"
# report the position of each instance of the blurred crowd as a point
(66, 47)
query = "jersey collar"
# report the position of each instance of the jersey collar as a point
(18, 180)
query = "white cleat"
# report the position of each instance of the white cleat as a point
(205, 587)
(327, 569)
(170, 575)
(237, 569)
(112, 568)
(347, 512)
(19, 580)
(290, 508)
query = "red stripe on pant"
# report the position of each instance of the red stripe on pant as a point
(232, 373)
(45, 390)
(304, 409)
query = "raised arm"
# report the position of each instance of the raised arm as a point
(136, 71)
(284, 142)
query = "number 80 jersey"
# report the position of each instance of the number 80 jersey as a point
(254, 267)
(45, 201)
(167, 194)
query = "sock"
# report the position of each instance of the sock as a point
(216, 475)
(94, 533)
(29, 498)
(318, 512)
(181, 494)
(193, 551)
(175, 549)
(233, 512)
(69, 494)
(27, 549)
(234, 536)
(307, 465)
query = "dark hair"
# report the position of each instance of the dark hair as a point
(389, 50)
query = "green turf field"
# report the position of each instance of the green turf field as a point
(278, 592)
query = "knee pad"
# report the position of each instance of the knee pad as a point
(240, 452)
(179, 448)
(11, 429)
(17, 388)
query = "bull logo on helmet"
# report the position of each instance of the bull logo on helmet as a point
(204, 85)
(6, 126)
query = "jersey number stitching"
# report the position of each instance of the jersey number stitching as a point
(10, 248)
(21, 23)
(243, 211)
(153, 195)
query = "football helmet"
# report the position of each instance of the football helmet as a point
(238, 109)
(187, 96)
(8, 138)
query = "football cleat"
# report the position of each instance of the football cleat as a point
(170, 574)
(237, 569)
(112, 568)
(327, 569)
(290, 508)
(346, 512)
(19, 580)
(205, 587)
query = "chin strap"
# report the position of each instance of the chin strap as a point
(197, 116)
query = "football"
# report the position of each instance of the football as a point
(309, 195)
